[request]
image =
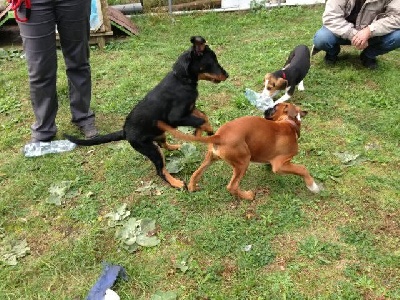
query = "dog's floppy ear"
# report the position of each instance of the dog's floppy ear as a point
(291, 111)
(199, 44)
(281, 84)
(303, 113)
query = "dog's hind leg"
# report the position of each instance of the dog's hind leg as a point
(300, 86)
(208, 160)
(289, 168)
(239, 170)
(153, 152)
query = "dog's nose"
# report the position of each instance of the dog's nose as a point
(225, 73)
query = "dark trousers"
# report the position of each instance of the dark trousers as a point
(71, 19)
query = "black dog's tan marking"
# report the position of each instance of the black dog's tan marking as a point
(172, 101)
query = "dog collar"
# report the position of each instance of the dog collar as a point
(295, 126)
(185, 80)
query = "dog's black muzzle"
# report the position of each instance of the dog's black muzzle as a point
(225, 73)
(269, 113)
(220, 70)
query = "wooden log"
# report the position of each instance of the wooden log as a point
(195, 5)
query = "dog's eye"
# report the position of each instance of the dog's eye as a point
(268, 88)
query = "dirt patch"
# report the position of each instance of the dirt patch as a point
(286, 246)
(230, 269)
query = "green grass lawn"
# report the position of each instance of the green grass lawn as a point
(286, 244)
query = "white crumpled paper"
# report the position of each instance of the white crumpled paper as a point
(260, 100)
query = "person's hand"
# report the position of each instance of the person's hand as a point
(360, 40)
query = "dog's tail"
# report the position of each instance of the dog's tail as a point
(213, 139)
(101, 139)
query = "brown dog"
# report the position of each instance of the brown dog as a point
(253, 139)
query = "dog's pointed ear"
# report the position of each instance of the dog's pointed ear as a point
(199, 45)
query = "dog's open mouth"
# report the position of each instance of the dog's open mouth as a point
(212, 77)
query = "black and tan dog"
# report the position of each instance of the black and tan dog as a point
(172, 101)
(291, 75)
(253, 139)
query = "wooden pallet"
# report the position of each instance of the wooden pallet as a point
(111, 17)
(6, 14)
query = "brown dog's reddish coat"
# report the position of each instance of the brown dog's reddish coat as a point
(253, 139)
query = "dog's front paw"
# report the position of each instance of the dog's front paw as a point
(192, 187)
(174, 182)
(170, 147)
(179, 184)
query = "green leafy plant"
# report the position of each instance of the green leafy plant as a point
(160, 295)
(131, 232)
(134, 233)
(176, 163)
(11, 250)
(61, 192)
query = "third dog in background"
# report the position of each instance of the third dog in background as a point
(292, 74)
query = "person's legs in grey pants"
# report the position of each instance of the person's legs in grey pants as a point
(72, 17)
(39, 40)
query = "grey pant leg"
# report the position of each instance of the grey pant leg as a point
(39, 42)
(73, 17)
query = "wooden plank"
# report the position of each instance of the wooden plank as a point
(195, 5)
(5, 11)
(122, 20)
